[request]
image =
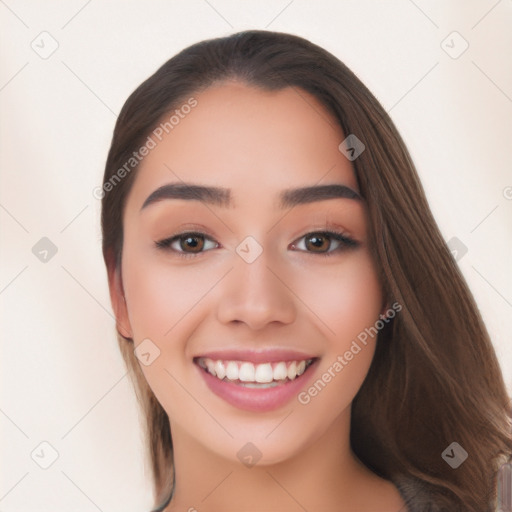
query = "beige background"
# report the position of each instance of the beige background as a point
(62, 378)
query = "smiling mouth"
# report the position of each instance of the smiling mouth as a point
(260, 376)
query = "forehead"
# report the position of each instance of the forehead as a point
(253, 141)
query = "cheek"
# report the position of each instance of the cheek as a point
(161, 298)
(346, 297)
(165, 305)
(349, 301)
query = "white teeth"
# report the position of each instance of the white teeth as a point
(292, 371)
(264, 373)
(232, 371)
(211, 366)
(280, 371)
(246, 372)
(220, 369)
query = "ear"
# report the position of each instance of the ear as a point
(117, 299)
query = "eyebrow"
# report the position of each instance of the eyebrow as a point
(222, 196)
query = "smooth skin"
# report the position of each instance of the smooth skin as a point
(257, 144)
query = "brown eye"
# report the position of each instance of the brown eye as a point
(193, 242)
(317, 242)
(187, 244)
(325, 243)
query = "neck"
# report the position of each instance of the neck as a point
(322, 475)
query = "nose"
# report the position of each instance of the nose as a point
(256, 295)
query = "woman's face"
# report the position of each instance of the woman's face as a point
(258, 286)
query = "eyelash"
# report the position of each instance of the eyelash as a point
(346, 242)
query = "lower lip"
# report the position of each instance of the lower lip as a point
(257, 400)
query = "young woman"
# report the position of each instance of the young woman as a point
(299, 334)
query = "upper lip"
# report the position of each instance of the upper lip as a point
(257, 356)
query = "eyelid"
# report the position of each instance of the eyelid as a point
(328, 227)
(345, 240)
(167, 242)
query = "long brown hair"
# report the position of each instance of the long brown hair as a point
(434, 378)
